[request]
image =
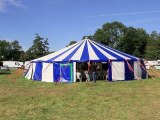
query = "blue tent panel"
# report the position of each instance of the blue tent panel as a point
(85, 54)
(66, 72)
(56, 72)
(129, 75)
(38, 71)
(110, 72)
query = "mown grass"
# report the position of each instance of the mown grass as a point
(127, 100)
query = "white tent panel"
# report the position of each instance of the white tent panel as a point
(74, 71)
(118, 71)
(60, 58)
(29, 73)
(47, 57)
(111, 50)
(47, 72)
(104, 53)
(137, 70)
(78, 54)
(92, 54)
(33, 70)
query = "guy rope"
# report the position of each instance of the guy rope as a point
(16, 74)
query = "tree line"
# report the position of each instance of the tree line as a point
(134, 41)
(13, 50)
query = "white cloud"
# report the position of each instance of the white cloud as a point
(15, 3)
(143, 21)
(125, 13)
(5, 3)
(2, 5)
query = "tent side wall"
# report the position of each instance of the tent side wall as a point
(49, 72)
(118, 71)
(137, 70)
(126, 70)
(30, 72)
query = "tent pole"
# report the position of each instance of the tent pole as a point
(154, 71)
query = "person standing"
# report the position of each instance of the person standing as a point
(87, 76)
(94, 70)
(89, 70)
(78, 76)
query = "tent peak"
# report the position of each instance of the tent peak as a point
(86, 39)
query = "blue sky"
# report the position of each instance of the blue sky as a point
(64, 20)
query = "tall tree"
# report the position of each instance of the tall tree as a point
(134, 42)
(72, 42)
(4, 50)
(10, 50)
(16, 50)
(38, 49)
(110, 34)
(29, 55)
(153, 46)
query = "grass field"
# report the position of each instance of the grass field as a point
(128, 100)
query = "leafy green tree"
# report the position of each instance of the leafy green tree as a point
(88, 37)
(5, 50)
(153, 46)
(72, 42)
(22, 57)
(16, 50)
(29, 55)
(38, 49)
(134, 42)
(40, 46)
(154, 35)
(10, 50)
(110, 34)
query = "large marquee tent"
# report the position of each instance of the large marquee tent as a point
(61, 65)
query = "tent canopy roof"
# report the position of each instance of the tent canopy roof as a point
(84, 51)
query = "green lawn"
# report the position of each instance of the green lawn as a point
(127, 100)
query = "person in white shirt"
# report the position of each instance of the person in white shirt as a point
(78, 76)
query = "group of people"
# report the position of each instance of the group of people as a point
(88, 74)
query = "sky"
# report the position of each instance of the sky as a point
(64, 20)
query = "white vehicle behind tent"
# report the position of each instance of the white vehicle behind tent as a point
(157, 66)
(158, 62)
(27, 64)
(153, 63)
(12, 64)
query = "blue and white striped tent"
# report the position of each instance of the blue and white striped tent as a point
(121, 66)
